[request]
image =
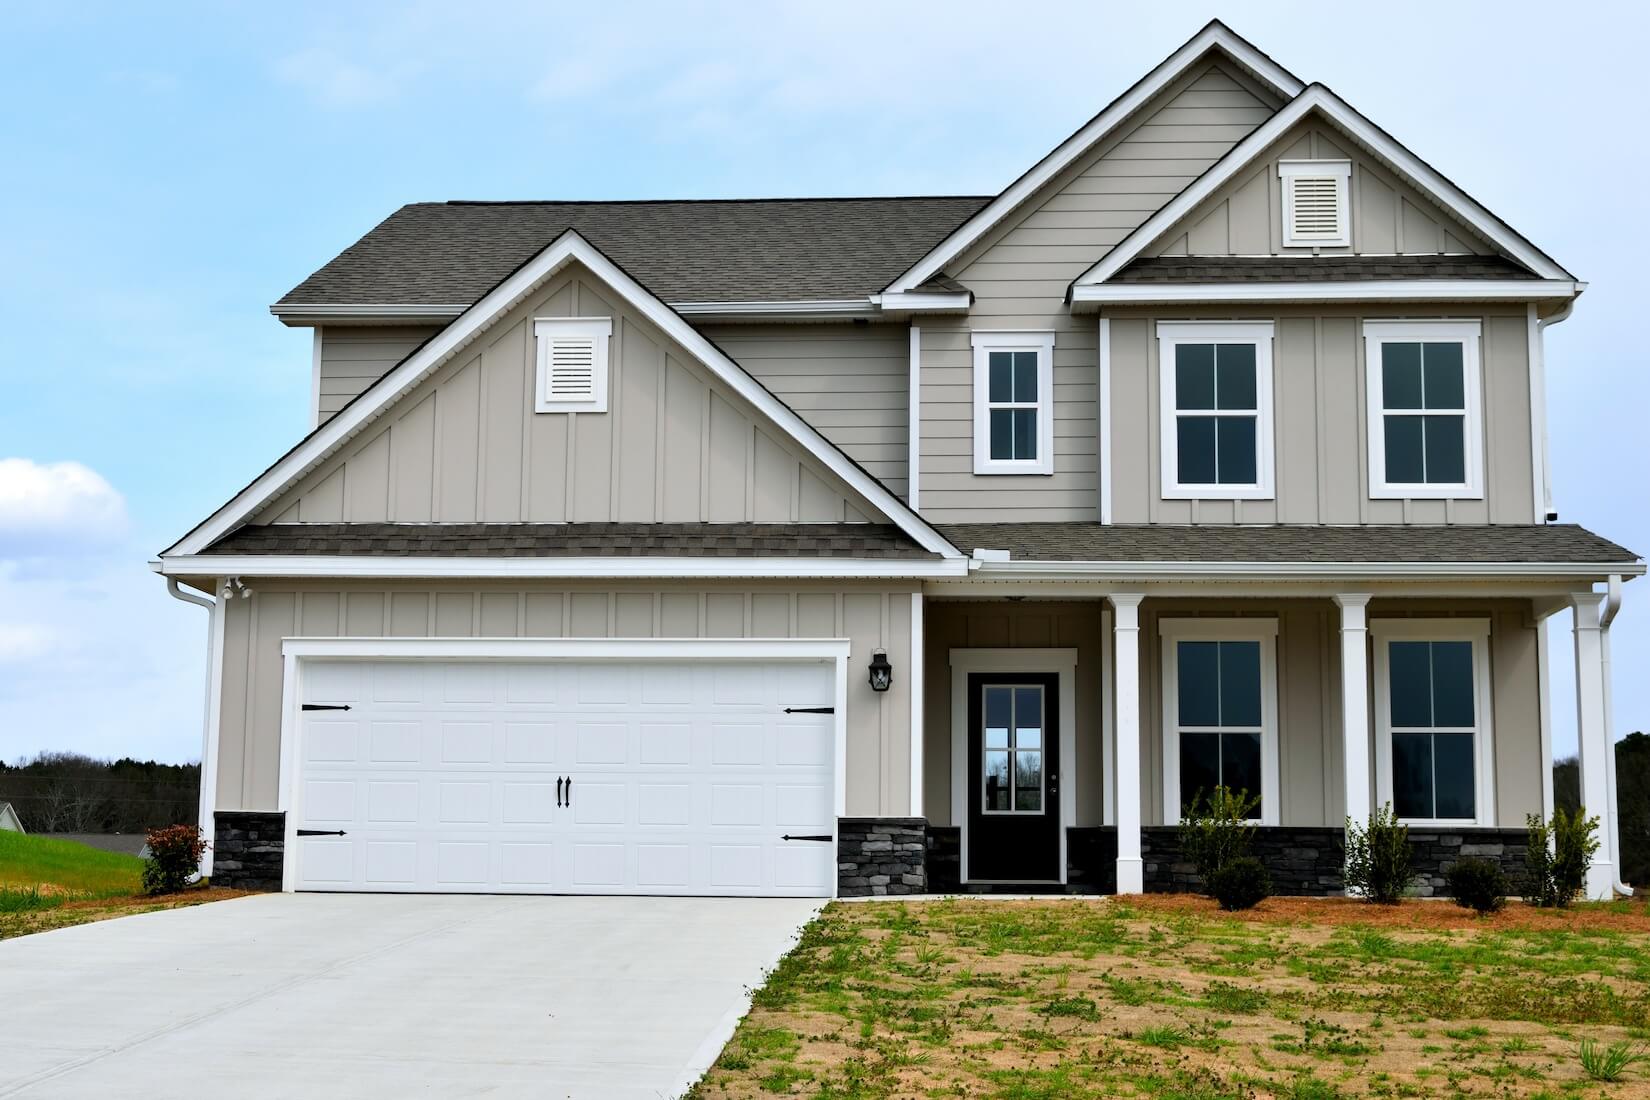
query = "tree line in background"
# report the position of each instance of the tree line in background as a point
(1632, 802)
(64, 792)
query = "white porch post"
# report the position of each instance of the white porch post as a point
(1592, 735)
(1355, 703)
(1131, 871)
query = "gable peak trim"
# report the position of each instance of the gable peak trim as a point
(1214, 36)
(1320, 99)
(569, 247)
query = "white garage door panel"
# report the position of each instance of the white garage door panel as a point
(684, 777)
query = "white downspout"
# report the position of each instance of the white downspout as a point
(209, 723)
(1612, 823)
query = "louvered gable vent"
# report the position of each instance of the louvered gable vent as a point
(572, 363)
(1315, 202)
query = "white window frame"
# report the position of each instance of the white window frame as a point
(1476, 631)
(984, 343)
(1341, 172)
(1262, 630)
(1469, 333)
(1170, 335)
(545, 331)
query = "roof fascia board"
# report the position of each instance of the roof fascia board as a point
(367, 565)
(570, 247)
(1331, 106)
(1286, 570)
(374, 313)
(901, 302)
(1215, 36)
(1393, 290)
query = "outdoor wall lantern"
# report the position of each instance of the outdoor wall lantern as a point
(882, 673)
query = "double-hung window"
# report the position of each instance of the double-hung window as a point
(1013, 402)
(1425, 419)
(1220, 712)
(1433, 753)
(1216, 400)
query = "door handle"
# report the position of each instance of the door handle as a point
(558, 790)
(569, 790)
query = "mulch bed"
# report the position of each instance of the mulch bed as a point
(1413, 913)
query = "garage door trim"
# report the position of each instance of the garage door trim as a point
(295, 652)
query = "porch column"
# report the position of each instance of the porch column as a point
(1592, 736)
(1355, 703)
(1131, 871)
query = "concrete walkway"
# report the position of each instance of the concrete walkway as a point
(311, 995)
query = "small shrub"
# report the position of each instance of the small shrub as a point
(174, 858)
(1478, 884)
(1242, 884)
(1559, 854)
(1378, 858)
(1217, 830)
(1610, 1063)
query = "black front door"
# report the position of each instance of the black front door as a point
(1013, 777)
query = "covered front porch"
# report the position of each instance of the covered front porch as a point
(1067, 722)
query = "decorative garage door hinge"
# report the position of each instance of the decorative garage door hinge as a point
(810, 710)
(325, 706)
(321, 832)
(822, 838)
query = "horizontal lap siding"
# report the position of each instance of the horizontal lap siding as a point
(871, 617)
(851, 382)
(1019, 275)
(1320, 421)
(353, 358)
(675, 444)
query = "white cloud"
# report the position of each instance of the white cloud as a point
(331, 81)
(21, 642)
(56, 507)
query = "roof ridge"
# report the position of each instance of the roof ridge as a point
(704, 202)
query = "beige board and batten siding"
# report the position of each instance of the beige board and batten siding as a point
(1319, 420)
(1388, 216)
(870, 616)
(1311, 773)
(850, 381)
(676, 444)
(353, 357)
(1019, 273)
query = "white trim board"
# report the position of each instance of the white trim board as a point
(376, 565)
(1408, 166)
(567, 249)
(962, 663)
(1216, 35)
(1394, 290)
(296, 651)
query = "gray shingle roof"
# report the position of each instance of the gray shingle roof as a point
(435, 253)
(1338, 269)
(1563, 543)
(559, 540)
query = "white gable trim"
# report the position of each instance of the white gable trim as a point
(566, 249)
(1216, 35)
(1360, 129)
(606, 568)
(1391, 290)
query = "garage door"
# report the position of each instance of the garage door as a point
(566, 777)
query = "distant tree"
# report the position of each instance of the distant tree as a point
(1632, 802)
(65, 792)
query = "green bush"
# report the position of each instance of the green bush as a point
(174, 858)
(1216, 830)
(1378, 858)
(1478, 884)
(1558, 855)
(1242, 883)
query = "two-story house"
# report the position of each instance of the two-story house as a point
(898, 544)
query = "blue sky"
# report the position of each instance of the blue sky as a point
(170, 170)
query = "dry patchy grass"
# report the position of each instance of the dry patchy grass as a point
(1167, 997)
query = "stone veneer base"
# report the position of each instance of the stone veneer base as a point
(248, 849)
(881, 855)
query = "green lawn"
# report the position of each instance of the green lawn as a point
(47, 883)
(1098, 998)
(64, 869)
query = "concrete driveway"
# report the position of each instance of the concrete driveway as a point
(309, 995)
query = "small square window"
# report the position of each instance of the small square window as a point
(1217, 409)
(1013, 403)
